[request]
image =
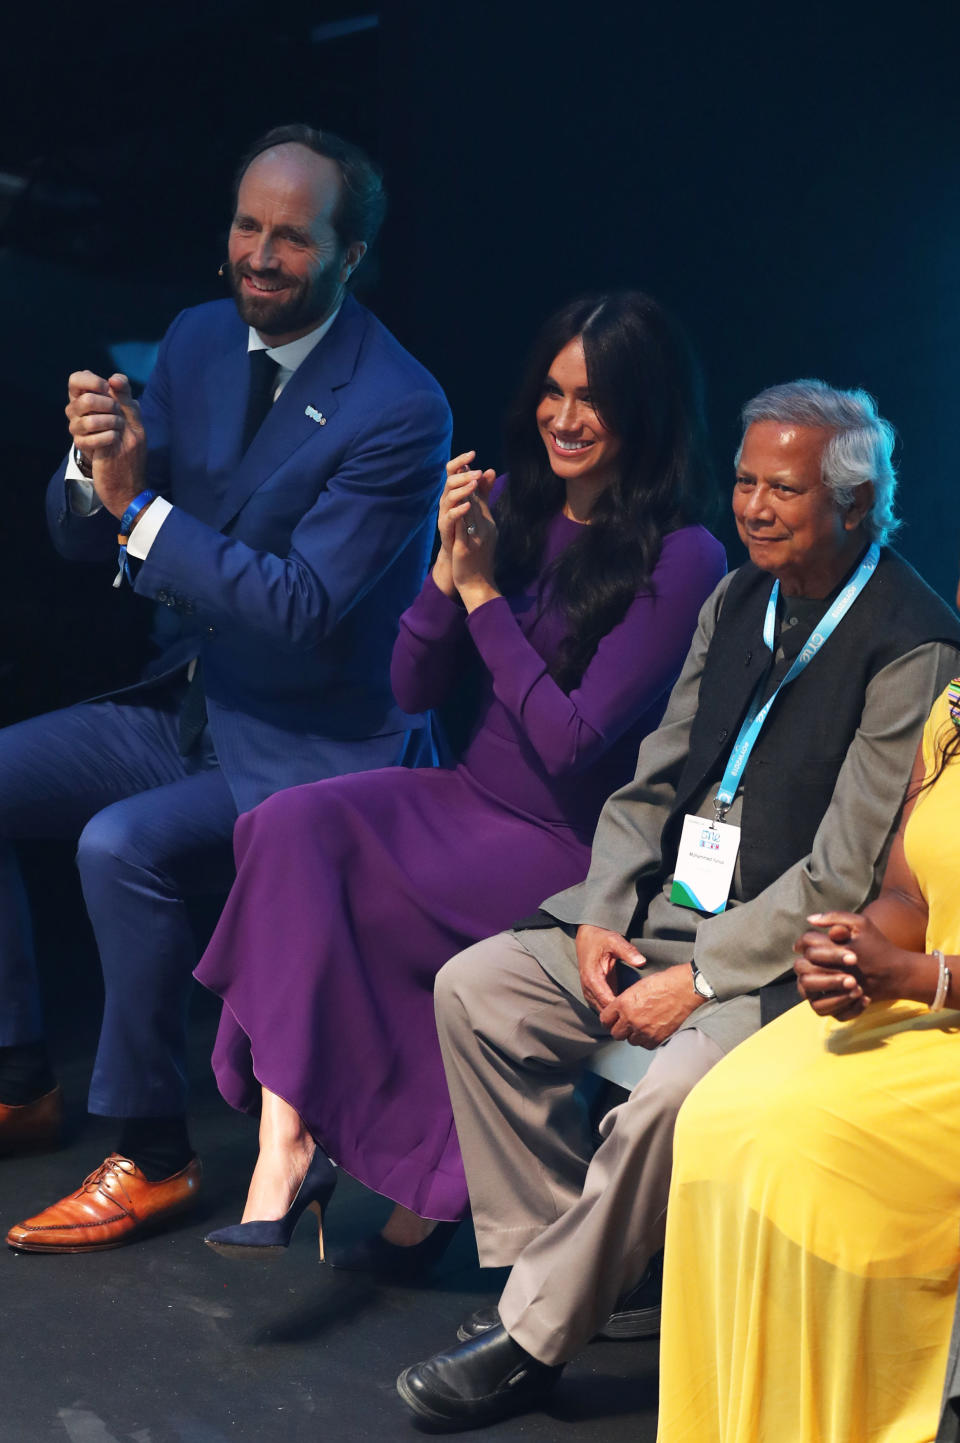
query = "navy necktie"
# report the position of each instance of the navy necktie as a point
(263, 383)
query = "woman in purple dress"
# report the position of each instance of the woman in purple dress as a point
(573, 588)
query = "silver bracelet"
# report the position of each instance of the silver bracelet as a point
(943, 983)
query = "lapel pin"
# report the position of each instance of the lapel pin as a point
(316, 415)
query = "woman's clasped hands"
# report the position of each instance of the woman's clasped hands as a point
(845, 962)
(468, 534)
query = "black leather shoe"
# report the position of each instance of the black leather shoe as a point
(637, 1313)
(479, 1323)
(391, 1262)
(478, 1382)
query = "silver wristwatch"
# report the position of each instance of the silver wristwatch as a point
(82, 464)
(701, 984)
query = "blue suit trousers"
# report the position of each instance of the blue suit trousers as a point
(154, 828)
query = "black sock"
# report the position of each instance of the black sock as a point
(25, 1073)
(160, 1146)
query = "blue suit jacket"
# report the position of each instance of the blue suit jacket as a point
(287, 568)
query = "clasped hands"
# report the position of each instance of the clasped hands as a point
(106, 428)
(845, 962)
(468, 534)
(648, 1011)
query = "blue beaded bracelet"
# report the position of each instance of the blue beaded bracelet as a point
(126, 521)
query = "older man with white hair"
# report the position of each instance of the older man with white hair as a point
(770, 791)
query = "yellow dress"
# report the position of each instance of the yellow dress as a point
(813, 1231)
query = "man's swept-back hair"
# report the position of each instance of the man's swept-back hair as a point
(860, 449)
(363, 201)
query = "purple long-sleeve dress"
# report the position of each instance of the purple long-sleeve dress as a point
(352, 892)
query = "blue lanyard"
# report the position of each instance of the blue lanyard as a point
(757, 715)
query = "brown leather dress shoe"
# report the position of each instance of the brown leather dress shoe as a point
(115, 1205)
(35, 1125)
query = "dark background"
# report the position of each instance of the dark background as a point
(785, 180)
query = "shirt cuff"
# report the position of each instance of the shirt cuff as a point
(73, 472)
(144, 534)
(81, 497)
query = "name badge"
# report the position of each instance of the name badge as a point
(705, 863)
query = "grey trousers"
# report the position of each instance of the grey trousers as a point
(578, 1227)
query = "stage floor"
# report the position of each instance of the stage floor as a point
(164, 1342)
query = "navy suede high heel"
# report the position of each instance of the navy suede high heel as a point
(268, 1239)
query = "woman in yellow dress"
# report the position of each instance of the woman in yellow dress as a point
(813, 1234)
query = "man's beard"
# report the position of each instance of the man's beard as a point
(305, 304)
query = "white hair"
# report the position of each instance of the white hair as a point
(860, 449)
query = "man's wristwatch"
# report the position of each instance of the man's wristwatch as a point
(82, 463)
(701, 984)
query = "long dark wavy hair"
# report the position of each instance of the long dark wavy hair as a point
(645, 386)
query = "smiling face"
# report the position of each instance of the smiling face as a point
(287, 265)
(579, 446)
(787, 518)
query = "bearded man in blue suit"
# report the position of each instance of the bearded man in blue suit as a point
(274, 496)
